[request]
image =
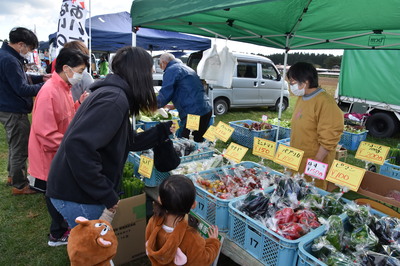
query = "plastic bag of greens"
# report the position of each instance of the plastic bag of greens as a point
(364, 238)
(359, 215)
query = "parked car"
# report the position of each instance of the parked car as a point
(256, 82)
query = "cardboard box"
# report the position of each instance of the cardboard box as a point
(129, 225)
(376, 186)
(341, 152)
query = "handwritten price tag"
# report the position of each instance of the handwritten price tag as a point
(193, 122)
(235, 152)
(316, 169)
(223, 131)
(345, 175)
(289, 157)
(264, 148)
(146, 166)
(176, 124)
(372, 152)
(210, 134)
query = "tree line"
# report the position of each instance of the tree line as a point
(318, 60)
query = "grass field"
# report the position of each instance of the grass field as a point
(24, 221)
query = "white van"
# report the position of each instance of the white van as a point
(256, 83)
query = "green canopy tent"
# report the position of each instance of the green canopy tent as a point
(284, 24)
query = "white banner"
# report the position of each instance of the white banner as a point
(71, 24)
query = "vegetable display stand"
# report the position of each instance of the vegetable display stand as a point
(284, 132)
(267, 246)
(211, 208)
(156, 176)
(245, 136)
(351, 141)
(390, 170)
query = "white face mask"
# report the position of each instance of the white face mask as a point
(296, 91)
(75, 78)
(27, 55)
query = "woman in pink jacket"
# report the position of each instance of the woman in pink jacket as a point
(53, 111)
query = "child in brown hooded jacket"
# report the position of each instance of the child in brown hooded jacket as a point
(169, 238)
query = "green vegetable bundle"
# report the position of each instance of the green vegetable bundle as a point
(284, 123)
(394, 156)
(131, 187)
(354, 129)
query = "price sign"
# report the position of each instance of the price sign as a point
(176, 124)
(223, 131)
(372, 152)
(139, 130)
(235, 152)
(264, 118)
(146, 166)
(289, 157)
(193, 122)
(264, 148)
(210, 134)
(345, 175)
(316, 169)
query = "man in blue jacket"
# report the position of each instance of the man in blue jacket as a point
(16, 92)
(183, 87)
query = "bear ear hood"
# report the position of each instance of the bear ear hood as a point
(167, 252)
(91, 242)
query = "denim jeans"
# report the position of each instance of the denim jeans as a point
(70, 210)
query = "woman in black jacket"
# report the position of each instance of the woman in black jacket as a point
(87, 168)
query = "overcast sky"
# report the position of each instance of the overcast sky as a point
(44, 15)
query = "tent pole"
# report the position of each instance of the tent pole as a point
(90, 36)
(282, 88)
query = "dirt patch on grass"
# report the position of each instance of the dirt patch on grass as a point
(328, 83)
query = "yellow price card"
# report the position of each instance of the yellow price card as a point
(146, 166)
(139, 130)
(176, 124)
(223, 131)
(210, 134)
(347, 175)
(264, 148)
(193, 122)
(371, 152)
(289, 157)
(235, 152)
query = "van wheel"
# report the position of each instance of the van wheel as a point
(382, 125)
(285, 105)
(220, 107)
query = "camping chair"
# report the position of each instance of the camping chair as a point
(357, 114)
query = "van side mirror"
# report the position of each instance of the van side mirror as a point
(278, 78)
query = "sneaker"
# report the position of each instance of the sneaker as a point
(55, 242)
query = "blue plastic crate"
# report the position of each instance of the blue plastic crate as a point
(351, 141)
(211, 208)
(156, 176)
(283, 142)
(390, 170)
(305, 256)
(245, 136)
(147, 125)
(284, 133)
(267, 246)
